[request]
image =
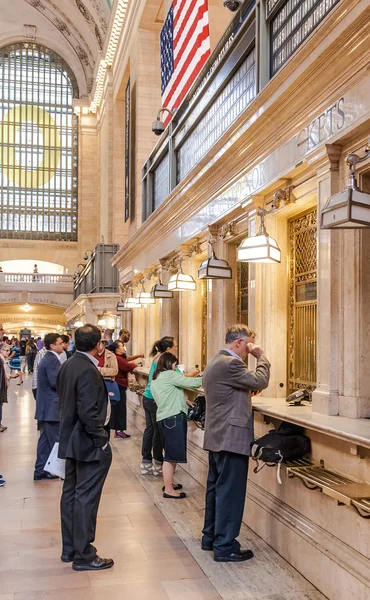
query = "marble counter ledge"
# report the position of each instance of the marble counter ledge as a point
(355, 431)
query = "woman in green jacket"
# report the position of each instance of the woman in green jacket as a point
(167, 388)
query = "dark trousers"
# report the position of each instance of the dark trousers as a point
(30, 362)
(225, 498)
(151, 437)
(49, 434)
(79, 505)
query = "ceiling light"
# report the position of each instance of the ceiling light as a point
(26, 307)
(260, 248)
(213, 267)
(181, 282)
(349, 209)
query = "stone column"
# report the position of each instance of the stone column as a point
(169, 313)
(325, 399)
(190, 319)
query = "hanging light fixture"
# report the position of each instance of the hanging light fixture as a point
(144, 297)
(132, 302)
(349, 209)
(180, 282)
(159, 290)
(260, 248)
(102, 322)
(78, 323)
(213, 267)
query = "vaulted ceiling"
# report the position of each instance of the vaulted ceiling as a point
(75, 29)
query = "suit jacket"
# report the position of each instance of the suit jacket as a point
(83, 401)
(227, 384)
(47, 398)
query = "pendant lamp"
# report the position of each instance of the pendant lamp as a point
(159, 290)
(181, 282)
(144, 297)
(132, 302)
(213, 267)
(260, 248)
(349, 209)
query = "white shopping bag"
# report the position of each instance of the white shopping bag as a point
(55, 465)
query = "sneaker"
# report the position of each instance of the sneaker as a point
(157, 469)
(2, 482)
(146, 468)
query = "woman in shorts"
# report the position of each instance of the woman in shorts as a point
(167, 387)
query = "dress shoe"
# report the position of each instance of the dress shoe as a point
(67, 558)
(176, 486)
(207, 547)
(239, 556)
(3, 428)
(46, 476)
(98, 564)
(180, 497)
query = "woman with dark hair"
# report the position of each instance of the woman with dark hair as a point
(152, 438)
(118, 418)
(15, 360)
(167, 387)
(4, 380)
(31, 351)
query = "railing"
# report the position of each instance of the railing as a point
(35, 278)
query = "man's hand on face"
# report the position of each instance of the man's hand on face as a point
(255, 350)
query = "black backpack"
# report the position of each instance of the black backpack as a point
(280, 445)
(197, 414)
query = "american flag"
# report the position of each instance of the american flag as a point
(185, 47)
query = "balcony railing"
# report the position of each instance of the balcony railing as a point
(35, 278)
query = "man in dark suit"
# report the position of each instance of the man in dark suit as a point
(84, 443)
(228, 435)
(47, 410)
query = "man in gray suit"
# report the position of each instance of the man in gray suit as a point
(228, 435)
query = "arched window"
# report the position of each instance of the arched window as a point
(38, 145)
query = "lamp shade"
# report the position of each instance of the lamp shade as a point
(121, 307)
(144, 297)
(78, 323)
(161, 291)
(349, 209)
(214, 268)
(102, 323)
(132, 303)
(181, 282)
(260, 249)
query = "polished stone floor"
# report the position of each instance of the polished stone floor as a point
(155, 542)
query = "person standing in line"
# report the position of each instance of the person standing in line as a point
(228, 435)
(23, 357)
(39, 344)
(84, 444)
(118, 419)
(108, 335)
(4, 380)
(108, 366)
(167, 387)
(66, 353)
(124, 337)
(31, 351)
(15, 360)
(152, 443)
(39, 356)
(47, 410)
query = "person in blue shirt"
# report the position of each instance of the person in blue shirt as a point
(15, 360)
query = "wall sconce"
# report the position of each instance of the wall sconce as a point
(349, 209)
(132, 302)
(259, 248)
(159, 290)
(158, 126)
(144, 297)
(181, 282)
(213, 267)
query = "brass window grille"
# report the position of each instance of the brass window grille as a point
(38, 145)
(302, 302)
